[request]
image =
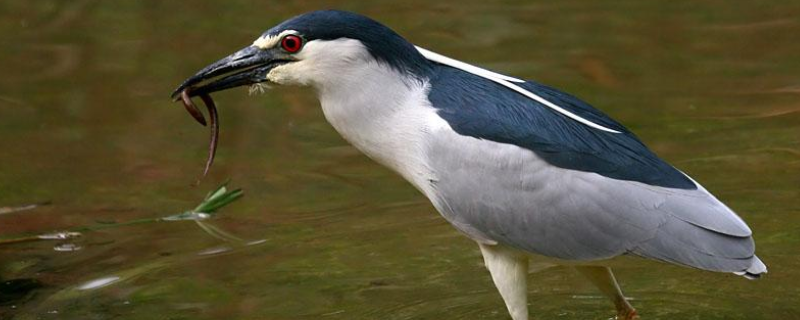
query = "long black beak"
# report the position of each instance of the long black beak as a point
(244, 67)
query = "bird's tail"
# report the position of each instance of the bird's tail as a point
(754, 271)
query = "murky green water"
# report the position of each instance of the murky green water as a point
(86, 123)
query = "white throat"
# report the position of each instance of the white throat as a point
(383, 113)
(380, 112)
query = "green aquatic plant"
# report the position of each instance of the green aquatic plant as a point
(214, 200)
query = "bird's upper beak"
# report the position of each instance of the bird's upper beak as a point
(247, 66)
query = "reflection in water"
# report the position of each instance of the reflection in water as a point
(98, 283)
(67, 247)
(12, 291)
(87, 122)
(213, 251)
(6, 210)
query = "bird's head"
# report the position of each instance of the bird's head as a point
(316, 49)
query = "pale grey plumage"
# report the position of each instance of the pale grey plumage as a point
(503, 193)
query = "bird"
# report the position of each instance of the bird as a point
(521, 168)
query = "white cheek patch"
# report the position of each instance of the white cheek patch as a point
(267, 42)
(322, 62)
(279, 75)
(293, 73)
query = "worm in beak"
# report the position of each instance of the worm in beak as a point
(197, 115)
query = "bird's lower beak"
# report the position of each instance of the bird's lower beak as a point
(247, 66)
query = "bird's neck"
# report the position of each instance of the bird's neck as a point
(382, 113)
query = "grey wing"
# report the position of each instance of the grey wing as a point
(500, 192)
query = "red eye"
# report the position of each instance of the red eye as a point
(292, 43)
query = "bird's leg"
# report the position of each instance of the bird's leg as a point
(509, 271)
(603, 278)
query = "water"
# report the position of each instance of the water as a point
(325, 233)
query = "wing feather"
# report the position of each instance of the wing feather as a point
(509, 195)
(480, 108)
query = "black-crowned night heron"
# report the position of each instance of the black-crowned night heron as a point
(518, 167)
